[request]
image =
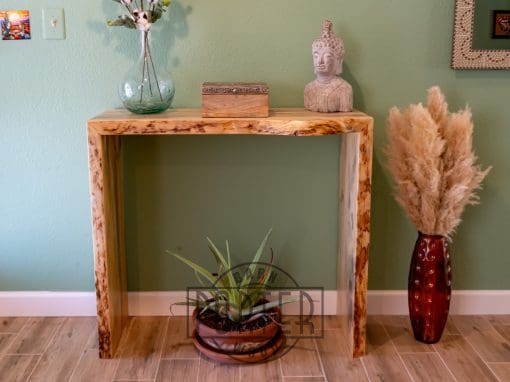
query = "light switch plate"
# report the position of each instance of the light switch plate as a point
(54, 27)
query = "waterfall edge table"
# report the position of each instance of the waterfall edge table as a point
(107, 203)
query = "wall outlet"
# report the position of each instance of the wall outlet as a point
(54, 27)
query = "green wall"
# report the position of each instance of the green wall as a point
(180, 189)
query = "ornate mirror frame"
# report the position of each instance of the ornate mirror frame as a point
(463, 54)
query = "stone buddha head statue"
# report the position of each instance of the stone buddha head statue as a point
(328, 54)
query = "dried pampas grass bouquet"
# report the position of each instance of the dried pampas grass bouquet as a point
(430, 155)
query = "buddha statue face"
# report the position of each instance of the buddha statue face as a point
(328, 53)
(326, 62)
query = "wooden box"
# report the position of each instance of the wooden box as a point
(235, 99)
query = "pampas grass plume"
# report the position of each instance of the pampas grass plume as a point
(431, 159)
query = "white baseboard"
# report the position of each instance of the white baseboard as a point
(48, 304)
(463, 302)
(36, 303)
(158, 303)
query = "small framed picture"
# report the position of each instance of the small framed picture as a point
(501, 24)
(15, 25)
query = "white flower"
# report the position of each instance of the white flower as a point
(142, 20)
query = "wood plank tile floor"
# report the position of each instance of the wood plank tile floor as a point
(473, 348)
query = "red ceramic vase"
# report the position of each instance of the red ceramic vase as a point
(429, 287)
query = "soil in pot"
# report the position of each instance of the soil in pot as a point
(215, 321)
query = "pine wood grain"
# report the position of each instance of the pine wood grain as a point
(347, 230)
(142, 347)
(104, 133)
(501, 370)
(235, 106)
(503, 331)
(211, 371)
(269, 371)
(382, 361)
(36, 335)
(108, 235)
(489, 344)
(92, 368)
(426, 367)
(501, 324)
(354, 226)
(302, 360)
(297, 326)
(12, 324)
(363, 197)
(61, 357)
(462, 360)
(5, 341)
(400, 331)
(140, 357)
(336, 359)
(190, 121)
(333, 322)
(501, 319)
(178, 370)
(17, 368)
(178, 342)
(450, 327)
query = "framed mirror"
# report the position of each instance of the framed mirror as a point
(480, 34)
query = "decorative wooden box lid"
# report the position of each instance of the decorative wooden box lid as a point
(230, 88)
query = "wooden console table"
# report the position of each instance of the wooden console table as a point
(104, 139)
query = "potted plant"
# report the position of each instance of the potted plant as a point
(235, 323)
(431, 158)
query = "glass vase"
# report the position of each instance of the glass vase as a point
(147, 87)
(429, 287)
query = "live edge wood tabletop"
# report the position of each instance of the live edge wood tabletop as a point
(104, 143)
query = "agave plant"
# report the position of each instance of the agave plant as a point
(237, 300)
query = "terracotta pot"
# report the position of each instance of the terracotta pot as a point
(262, 354)
(238, 342)
(429, 287)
